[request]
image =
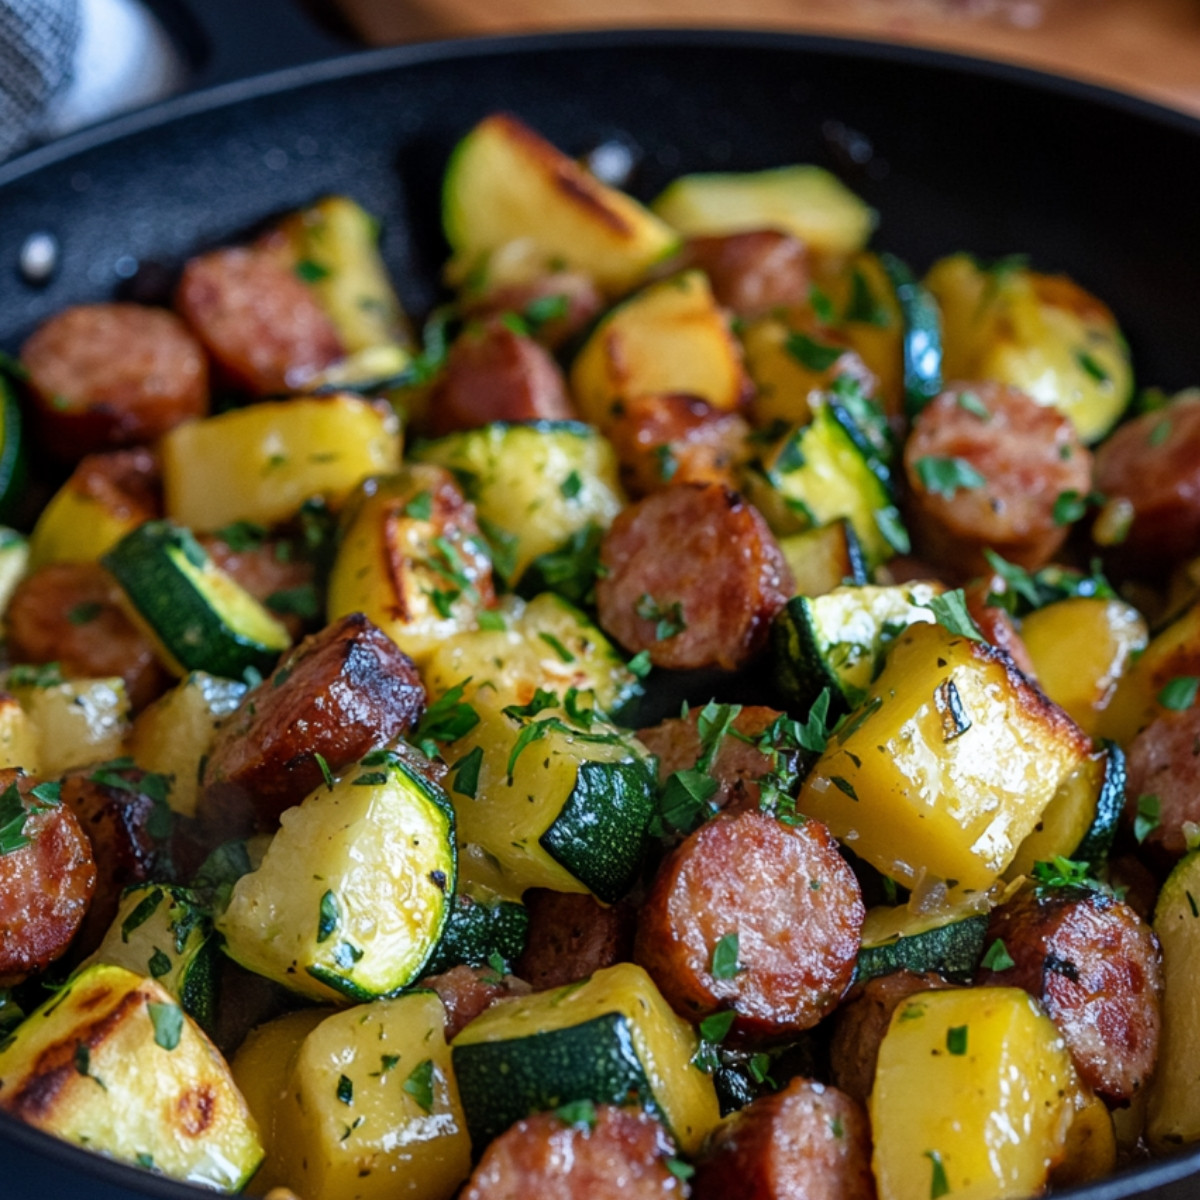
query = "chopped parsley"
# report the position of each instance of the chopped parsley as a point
(970, 402)
(950, 612)
(997, 957)
(447, 719)
(142, 912)
(167, 1020)
(345, 1089)
(329, 917)
(1092, 367)
(419, 1084)
(945, 476)
(466, 773)
(714, 1029)
(299, 602)
(326, 773)
(577, 1112)
(12, 820)
(85, 613)
(420, 507)
(1149, 817)
(669, 621)
(956, 1040)
(938, 1186)
(725, 957)
(1180, 693)
(557, 646)
(864, 307)
(571, 486)
(816, 356)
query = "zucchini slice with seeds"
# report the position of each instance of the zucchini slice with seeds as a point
(353, 893)
(199, 617)
(609, 1039)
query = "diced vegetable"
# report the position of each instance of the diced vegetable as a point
(112, 1062)
(14, 563)
(262, 462)
(480, 926)
(824, 558)
(18, 737)
(606, 1039)
(948, 764)
(949, 941)
(973, 1098)
(1091, 1149)
(803, 200)
(76, 721)
(78, 525)
(200, 618)
(670, 337)
(922, 342)
(504, 183)
(354, 891)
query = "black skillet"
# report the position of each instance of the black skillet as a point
(954, 153)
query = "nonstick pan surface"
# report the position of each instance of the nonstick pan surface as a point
(954, 153)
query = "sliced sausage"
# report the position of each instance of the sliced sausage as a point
(675, 438)
(70, 613)
(990, 481)
(1154, 463)
(259, 322)
(808, 1142)
(123, 812)
(693, 576)
(274, 574)
(104, 375)
(45, 885)
(790, 899)
(494, 373)
(555, 307)
(1097, 969)
(623, 1156)
(738, 764)
(571, 936)
(752, 272)
(466, 991)
(1162, 761)
(338, 694)
(863, 1019)
(128, 483)
(996, 625)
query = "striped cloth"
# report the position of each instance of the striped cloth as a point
(37, 46)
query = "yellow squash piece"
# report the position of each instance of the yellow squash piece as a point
(362, 1104)
(112, 1063)
(973, 1098)
(262, 462)
(1091, 1149)
(506, 184)
(670, 337)
(1040, 333)
(80, 526)
(18, 737)
(76, 722)
(947, 765)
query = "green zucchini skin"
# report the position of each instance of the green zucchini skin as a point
(503, 1082)
(600, 834)
(476, 930)
(922, 342)
(952, 951)
(13, 456)
(1110, 803)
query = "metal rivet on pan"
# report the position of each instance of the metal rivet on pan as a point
(125, 267)
(38, 259)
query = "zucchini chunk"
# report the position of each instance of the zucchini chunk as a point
(479, 926)
(548, 644)
(14, 563)
(839, 640)
(819, 472)
(534, 485)
(1173, 1102)
(1040, 333)
(199, 617)
(262, 462)
(803, 200)
(948, 941)
(946, 1117)
(610, 1039)
(361, 1103)
(172, 735)
(13, 452)
(672, 337)
(505, 184)
(354, 891)
(549, 797)
(161, 931)
(1080, 822)
(112, 1063)
(412, 559)
(921, 345)
(75, 721)
(18, 737)
(824, 558)
(948, 764)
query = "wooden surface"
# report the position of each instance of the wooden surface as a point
(1151, 47)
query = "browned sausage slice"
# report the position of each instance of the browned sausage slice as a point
(623, 1156)
(338, 694)
(808, 1142)
(128, 483)
(752, 272)
(1154, 463)
(996, 625)
(45, 884)
(1097, 969)
(571, 936)
(555, 307)
(675, 438)
(466, 991)
(785, 907)
(70, 613)
(990, 481)
(494, 373)
(1162, 762)
(123, 812)
(259, 322)
(105, 375)
(861, 1022)
(693, 576)
(738, 764)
